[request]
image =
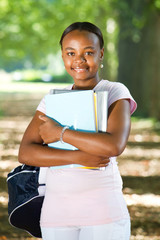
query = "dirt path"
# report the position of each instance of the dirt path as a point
(139, 166)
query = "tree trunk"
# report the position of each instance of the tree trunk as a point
(139, 66)
(101, 21)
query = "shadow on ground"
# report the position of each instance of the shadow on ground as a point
(139, 166)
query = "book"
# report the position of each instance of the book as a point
(102, 110)
(101, 106)
(80, 110)
(75, 110)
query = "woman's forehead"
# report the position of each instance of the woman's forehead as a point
(84, 38)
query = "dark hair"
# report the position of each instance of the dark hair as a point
(84, 26)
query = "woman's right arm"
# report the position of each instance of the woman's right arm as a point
(33, 152)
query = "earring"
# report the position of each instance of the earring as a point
(101, 65)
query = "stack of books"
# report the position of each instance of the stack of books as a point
(84, 110)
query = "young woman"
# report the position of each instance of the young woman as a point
(82, 204)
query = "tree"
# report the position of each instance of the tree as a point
(30, 30)
(139, 52)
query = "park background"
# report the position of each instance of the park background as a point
(30, 64)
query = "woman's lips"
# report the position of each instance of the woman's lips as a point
(80, 69)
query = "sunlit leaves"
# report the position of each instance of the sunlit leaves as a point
(157, 4)
(30, 30)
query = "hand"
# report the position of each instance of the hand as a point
(49, 130)
(89, 160)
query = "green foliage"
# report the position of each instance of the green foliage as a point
(30, 30)
(40, 76)
(133, 15)
(157, 4)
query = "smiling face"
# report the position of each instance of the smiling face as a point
(82, 55)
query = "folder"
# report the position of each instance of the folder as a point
(101, 106)
(80, 110)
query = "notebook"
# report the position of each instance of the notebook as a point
(80, 110)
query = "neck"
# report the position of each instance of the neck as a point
(85, 85)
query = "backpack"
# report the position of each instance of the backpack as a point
(25, 198)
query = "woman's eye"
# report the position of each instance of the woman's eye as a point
(70, 53)
(89, 53)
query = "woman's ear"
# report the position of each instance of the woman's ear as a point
(102, 53)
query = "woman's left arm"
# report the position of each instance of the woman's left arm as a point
(110, 143)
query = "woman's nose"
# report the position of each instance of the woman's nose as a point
(80, 58)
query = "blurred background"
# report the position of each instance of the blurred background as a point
(31, 64)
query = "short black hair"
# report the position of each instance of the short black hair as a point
(84, 26)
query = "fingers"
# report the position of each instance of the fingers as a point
(103, 165)
(104, 162)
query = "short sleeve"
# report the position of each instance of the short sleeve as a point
(120, 91)
(41, 107)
